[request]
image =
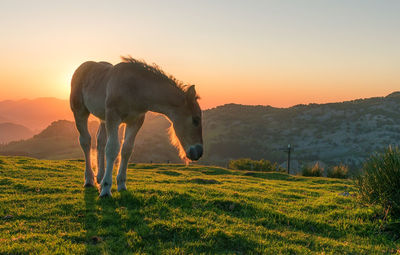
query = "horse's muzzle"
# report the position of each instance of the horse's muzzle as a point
(195, 152)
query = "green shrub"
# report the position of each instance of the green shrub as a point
(315, 170)
(253, 165)
(380, 181)
(340, 171)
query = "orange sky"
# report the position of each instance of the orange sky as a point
(278, 53)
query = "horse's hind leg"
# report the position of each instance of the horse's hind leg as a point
(81, 121)
(101, 144)
(130, 134)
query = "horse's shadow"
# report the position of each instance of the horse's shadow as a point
(110, 222)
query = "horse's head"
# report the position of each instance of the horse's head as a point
(186, 131)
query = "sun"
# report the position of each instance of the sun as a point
(63, 81)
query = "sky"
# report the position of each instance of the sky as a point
(278, 53)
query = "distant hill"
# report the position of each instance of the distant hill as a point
(2, 119)
(35, 114)
(346, 132)
(11, 132)
(60, 141)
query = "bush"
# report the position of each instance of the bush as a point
(253, 165)
(380, 181)
(340, 171)
(315, 171)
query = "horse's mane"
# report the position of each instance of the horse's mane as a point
(156, 71)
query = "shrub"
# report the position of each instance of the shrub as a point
(315, 170)
(254, 165)
(340, 171)
(380, 181)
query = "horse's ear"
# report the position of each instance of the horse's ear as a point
(191, 93)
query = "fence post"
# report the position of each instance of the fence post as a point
(288, 158)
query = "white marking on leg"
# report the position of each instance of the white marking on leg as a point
(112, 150)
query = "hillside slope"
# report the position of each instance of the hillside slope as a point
(57, 141)
(60, 141)
(346, 132)
(12, 132)
(173, 209)
(334, 133)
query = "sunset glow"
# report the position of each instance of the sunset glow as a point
(278, 53)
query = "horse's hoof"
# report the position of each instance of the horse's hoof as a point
(121, 187)
(105, 193)
(88, 185)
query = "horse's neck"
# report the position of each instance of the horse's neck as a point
(166, 110)
(167, 103)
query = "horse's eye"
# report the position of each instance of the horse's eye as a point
(196, 121)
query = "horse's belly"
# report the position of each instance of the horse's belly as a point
(97, 111)
(96, 105)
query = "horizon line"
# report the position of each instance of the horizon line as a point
(231, 103)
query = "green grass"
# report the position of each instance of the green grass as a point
(173, 209)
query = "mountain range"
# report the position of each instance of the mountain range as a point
(34, 114)
(345, 132)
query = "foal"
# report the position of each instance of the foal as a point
(123, 94)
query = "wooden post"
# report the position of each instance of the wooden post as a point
(288, 149)
(288, 158)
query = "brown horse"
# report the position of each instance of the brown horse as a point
(123, 94)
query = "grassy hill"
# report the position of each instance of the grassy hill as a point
(174, 209)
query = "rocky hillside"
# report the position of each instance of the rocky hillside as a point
(346, 132)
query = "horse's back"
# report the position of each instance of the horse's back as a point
(88, 88)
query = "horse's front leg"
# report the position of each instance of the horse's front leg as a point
(129, 140)
(101, 144)
(112, 150)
